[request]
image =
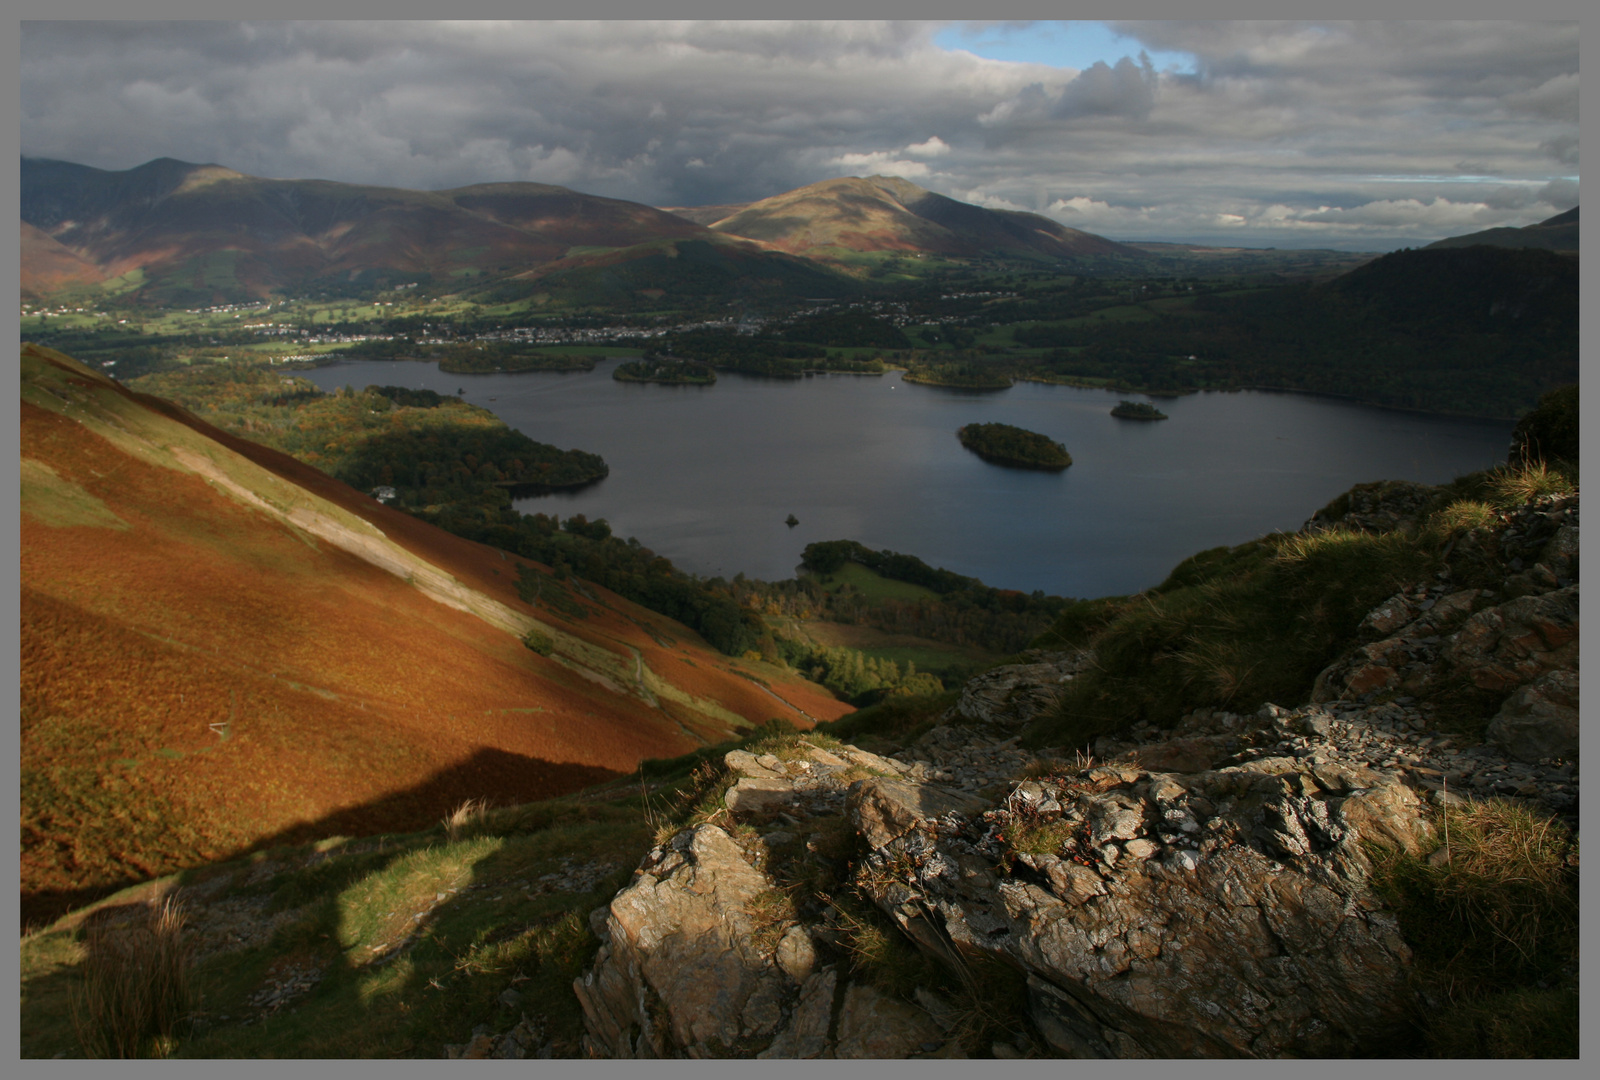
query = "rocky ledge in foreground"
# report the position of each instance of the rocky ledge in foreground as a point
(1219, 913)
(1205, 891)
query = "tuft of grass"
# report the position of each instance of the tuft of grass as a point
(1463, 515)
(1502, 904)
(989, 1001)
(136, 993)
(1038, 837)
(1493, 925)
(773, 912)
(880, 954)
(1515, 485)
(1040, 767)
(469, 813)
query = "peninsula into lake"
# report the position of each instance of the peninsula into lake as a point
(1014, 447)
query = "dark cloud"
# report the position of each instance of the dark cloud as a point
(1284, 133)
(1561, 194)
(1511, 198)
(1563, 148)
(1126, 90)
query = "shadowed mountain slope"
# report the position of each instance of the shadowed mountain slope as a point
(886, 213)
(220, 644)
(1559, 233)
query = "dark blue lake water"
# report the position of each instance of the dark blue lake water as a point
(707, 475)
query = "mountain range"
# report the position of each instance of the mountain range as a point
(173, 232)
(183, 233)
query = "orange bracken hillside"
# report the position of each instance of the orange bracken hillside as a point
(222, 648)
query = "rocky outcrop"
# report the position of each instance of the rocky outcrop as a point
(703, 956)
(1377, 507)
(1221, 913)
(1512, 648)
(1218, 913)
(682, 971)
(1540, 721)
(1011, 695)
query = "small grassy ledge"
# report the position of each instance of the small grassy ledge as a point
(1014, 447)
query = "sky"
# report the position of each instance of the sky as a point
(1353, 135)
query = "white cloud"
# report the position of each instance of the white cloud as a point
(881, 164)
(933, 147)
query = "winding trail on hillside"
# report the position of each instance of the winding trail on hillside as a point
(774, 694)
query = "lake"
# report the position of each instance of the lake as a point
(707, 475)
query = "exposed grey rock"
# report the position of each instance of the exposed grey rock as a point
(806, 1035)
(1514, 643)
(873, 1025)
(1207, 893)
(1377, 507)
(1541, 719)
(795, 954)
(1260, 941)
(755, 796)
(1012, 695)
(743, 763)
(681, 967)
(885, 810)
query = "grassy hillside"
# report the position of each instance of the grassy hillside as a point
(222, 647)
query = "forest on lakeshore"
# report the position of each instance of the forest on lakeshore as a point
(431, 448)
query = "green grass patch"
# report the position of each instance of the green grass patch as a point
(1492, 920)
(873, 587)
(413, 939)
(951, 663)
(1230, 628)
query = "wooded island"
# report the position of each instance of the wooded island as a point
(1137, 410)
(1014, 447)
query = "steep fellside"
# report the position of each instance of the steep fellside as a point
(222, 647)
(886, 213)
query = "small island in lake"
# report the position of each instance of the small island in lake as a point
(1017, 448)
(1138, 410)
(672, 372)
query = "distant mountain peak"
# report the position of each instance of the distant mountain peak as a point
(892, 214)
